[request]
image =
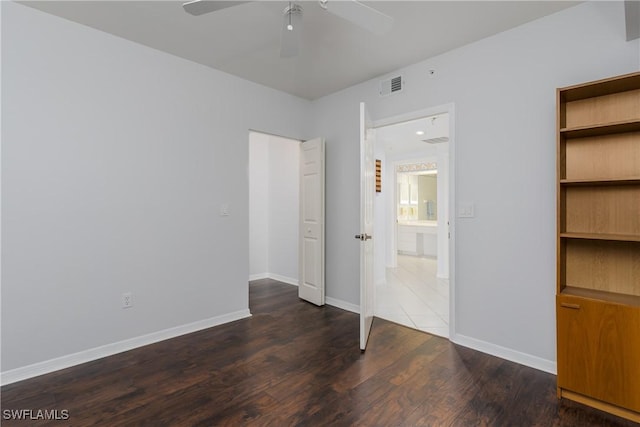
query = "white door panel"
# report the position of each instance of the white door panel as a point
(311, 246)
(311, 208)
(367, 193)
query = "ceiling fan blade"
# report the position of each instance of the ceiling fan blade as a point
(200, 7)
(360, 14)
(290, 40)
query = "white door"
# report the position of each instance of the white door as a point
(311, 236)
(367, 193)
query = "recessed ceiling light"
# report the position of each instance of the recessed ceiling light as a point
(420, 132)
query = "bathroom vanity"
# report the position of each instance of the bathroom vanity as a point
(418, 238)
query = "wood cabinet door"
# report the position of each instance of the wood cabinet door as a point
(599, 350)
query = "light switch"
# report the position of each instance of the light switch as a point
(466, 210)
(224, 209)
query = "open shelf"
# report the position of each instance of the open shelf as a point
(602, 160)
(594, 294)
(601, 87)
(590, 262)
(604, 181)
(601, 236)
(612, 210)
(601, 129)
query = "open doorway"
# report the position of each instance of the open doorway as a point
(286, 213)
(411, 261)
(274, 206)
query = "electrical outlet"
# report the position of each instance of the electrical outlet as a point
(127, 300)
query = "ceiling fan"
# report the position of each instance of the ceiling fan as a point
(353, 11)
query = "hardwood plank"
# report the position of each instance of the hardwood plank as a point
(293, 363)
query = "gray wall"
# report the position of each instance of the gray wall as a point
(258, 205)
(503, 88)
(115, 161)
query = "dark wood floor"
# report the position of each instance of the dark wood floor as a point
(296, 364)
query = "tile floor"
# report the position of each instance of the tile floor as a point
(413, 296)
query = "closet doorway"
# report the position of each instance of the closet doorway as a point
(274, 207)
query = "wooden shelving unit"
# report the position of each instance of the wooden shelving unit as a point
(608, 181)
(598, 284)
(601, 129)
(601, 236)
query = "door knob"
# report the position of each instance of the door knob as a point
(363, 236)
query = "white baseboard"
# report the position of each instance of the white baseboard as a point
(283, 279)
(342, 304)
(41, 368)
(506, 353)
(328, 300)
(279, 278)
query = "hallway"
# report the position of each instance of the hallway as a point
(413, 296)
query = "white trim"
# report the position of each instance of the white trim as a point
(413, 115)
(334, 302)
(283, 279)
(453, 190)
(506, 353)
(47, 366)
(279, 278)
(342, 305)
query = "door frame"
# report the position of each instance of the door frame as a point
(267, 275)
(418, 114)
(367, 224)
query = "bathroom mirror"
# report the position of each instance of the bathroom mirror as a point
(417, 195)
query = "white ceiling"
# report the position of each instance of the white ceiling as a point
(244, 40)
(402, 138)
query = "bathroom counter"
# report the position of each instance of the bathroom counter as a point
(417, 223)
(418, 237)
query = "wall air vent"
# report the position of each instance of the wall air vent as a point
(437, 140)
(392, 85)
